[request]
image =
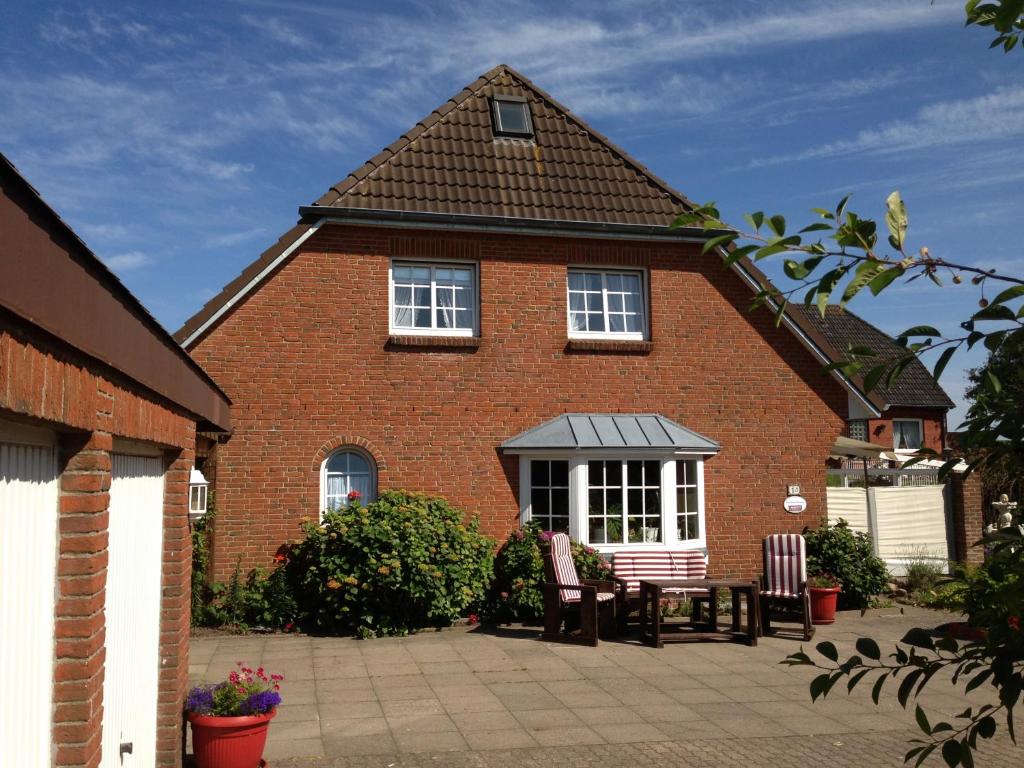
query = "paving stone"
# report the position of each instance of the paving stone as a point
(615, 733)
(286, 748)
(413, 707)
(350, 709)
(512, 738)
(542, 719)
(401, 724)
(445, 741)
(568, 736)
(607, 714)
(485, 721)
(290, 712)
(291, 730)
(357, 726)
(345, 746)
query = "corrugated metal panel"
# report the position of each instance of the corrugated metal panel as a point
(133, 611)
(28, 568)
(620, 430)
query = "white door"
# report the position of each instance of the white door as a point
(133, 612)
(28, 573)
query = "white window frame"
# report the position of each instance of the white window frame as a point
(365, 455)
(920, 431)
(433, 265)
(640, 272)
(579, 528)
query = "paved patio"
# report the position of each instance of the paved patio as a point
(485, 697)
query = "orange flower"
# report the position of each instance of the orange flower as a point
(333, 584)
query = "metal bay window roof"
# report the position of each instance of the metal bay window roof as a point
(622, 431)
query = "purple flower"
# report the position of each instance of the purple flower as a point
(260, 703)
(200, 700)
(546, 535)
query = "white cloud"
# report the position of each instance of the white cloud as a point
(126, 262)
(994, 116)
(234, 238)
(277, 30)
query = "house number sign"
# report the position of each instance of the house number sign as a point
(795, 504)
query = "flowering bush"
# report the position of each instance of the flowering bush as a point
(247, 691)
(848, 555)
(519, 572)
(404, 562)
(823, 580)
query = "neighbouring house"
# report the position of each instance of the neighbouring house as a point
(495, 309)
(98, 415)
(914, 414)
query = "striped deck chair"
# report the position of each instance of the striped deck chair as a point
(785, 579)
(565, 596)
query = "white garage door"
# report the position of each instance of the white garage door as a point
(28, 570)
(133, 612)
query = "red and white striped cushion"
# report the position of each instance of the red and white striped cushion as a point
(785, 564)
(565, 568)
(644, 564)
(565, 571)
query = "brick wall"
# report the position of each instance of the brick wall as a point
(968, 517)
(933, 421)
(308, 365)
(88, 406)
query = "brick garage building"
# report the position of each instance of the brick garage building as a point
(98, 415)
(500, 266)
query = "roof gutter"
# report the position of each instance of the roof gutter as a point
(505, 224)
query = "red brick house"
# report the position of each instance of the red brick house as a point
(495, 309)
(916, 406)
(98, 415)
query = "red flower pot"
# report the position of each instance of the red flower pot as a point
(823, 604)
(229, 742)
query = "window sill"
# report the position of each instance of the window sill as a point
(610, 346)
(450, 342)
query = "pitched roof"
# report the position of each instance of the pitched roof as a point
(450, 162)
(450, 170)
(915, 387)
(616, 430)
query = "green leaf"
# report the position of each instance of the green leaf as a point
(817, 226)
(864, 274)
(1010, 293)
(994, 312)
(780, 312)
(823, 213)
(777, 224)
(754, 219)
(873, 377)
(993, 381)
(714, 242)
(738, 253)
(796, 270)
(922, 720)
(951, 753)
(921, 330)
(943, 360)
(841, 208)
(876, 689)
(881, 280)
(828, 650)
(869, 648)
(896, 219)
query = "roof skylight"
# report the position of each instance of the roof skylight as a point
(510, 116)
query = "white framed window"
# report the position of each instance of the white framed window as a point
(604, 303)
(433, 298)
(907, 434)
(617, 502)
(345, 471)
(549, 491)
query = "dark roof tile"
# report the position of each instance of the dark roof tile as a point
(915, 387)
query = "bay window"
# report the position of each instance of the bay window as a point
(609, 502)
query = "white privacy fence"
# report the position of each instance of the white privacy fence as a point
(905, 524)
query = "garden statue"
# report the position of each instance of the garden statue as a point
(1005, 510)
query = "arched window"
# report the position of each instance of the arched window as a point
(344, 471)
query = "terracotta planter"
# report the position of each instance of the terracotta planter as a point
(823, 604)
(229, 742)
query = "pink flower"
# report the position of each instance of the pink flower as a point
(289, 626)
(354, 495)
(1014, 623)
(473, 618)
(519, 535)
(546, 535)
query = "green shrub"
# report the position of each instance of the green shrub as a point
(404, 562)
(202, 592)
(922, 577)
(258, 600)
(515, 593)
(847, 556)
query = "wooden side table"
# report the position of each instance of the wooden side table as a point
(652, 629)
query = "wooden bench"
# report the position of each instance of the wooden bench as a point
(631, 566)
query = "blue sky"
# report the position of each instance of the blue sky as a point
(179, 138)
